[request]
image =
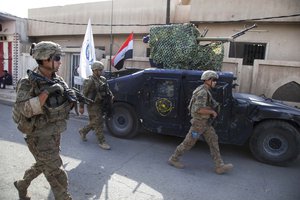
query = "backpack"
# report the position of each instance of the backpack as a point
(24, 124)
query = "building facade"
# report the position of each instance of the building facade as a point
(265, 60)
(13, 41)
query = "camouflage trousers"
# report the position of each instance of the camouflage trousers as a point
(200, 127)
(46, 153)
(96, 122)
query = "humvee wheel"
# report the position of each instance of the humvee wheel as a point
(275, 142)
(124, 122)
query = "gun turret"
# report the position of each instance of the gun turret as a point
(177, 46)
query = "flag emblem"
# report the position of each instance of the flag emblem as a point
(125, 52)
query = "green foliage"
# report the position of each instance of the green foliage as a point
(176, 47)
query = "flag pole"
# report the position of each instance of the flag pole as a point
(111, 37)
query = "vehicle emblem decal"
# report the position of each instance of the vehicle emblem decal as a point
(163, 106)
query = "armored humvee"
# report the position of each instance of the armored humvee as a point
(157, 99)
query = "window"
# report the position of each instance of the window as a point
(148, 52)
(165, 88)
(248, 51)
(101, 51)
(75, 59)
(3, 37)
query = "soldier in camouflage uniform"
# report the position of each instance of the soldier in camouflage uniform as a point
(41, 112)
(201, 109)
(95, 88)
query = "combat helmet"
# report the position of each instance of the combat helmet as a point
(209, 74)
(97, 65)
(44, 50)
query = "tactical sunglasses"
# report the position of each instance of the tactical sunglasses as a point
(56, 58)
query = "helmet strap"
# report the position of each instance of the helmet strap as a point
(208, 83)
(52, 65)
(45, 71)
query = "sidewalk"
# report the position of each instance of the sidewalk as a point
(8, 95)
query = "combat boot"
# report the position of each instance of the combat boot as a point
(104, 146)
(175, 163)
(223, 168)
(22, 192)
(82, 135)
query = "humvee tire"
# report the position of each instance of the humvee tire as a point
(275, 142)
(124, 122)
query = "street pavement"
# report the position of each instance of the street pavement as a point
(7, 95)
(137, 169)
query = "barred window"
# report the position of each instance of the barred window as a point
(248, 51)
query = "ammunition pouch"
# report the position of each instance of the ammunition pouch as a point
(24, 124)
(28, 125)
(58, 113)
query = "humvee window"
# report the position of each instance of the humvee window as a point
(165, 88)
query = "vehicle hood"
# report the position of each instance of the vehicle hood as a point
(267, 103)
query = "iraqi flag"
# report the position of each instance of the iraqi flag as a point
(124, 53)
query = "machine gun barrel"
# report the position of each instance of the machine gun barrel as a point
(242, 32)
(226, 39)
(219, 39)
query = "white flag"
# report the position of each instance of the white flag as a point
(87, 55)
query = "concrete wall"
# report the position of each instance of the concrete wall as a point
(265, 77)
(8, 27)
(125, 12)
(282, 39)
(12, 25)
(139, 48)
(268, 76)
(233, 10)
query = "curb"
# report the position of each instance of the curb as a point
(6, 102)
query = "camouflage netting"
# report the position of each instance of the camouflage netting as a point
(176, 47)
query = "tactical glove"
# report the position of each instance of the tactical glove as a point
(55, 88)
(71, 95)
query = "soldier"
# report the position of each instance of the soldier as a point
(41, 111)
(6, 79)
(95, 88)
(201, 109)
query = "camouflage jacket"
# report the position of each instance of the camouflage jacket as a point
(96, 88)
(34, 119)
(202, 98)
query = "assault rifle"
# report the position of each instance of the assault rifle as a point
(82, 98)
(35, 77)
(211, 121)
(107, 101)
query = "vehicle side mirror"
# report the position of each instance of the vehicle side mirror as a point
(234, 85)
